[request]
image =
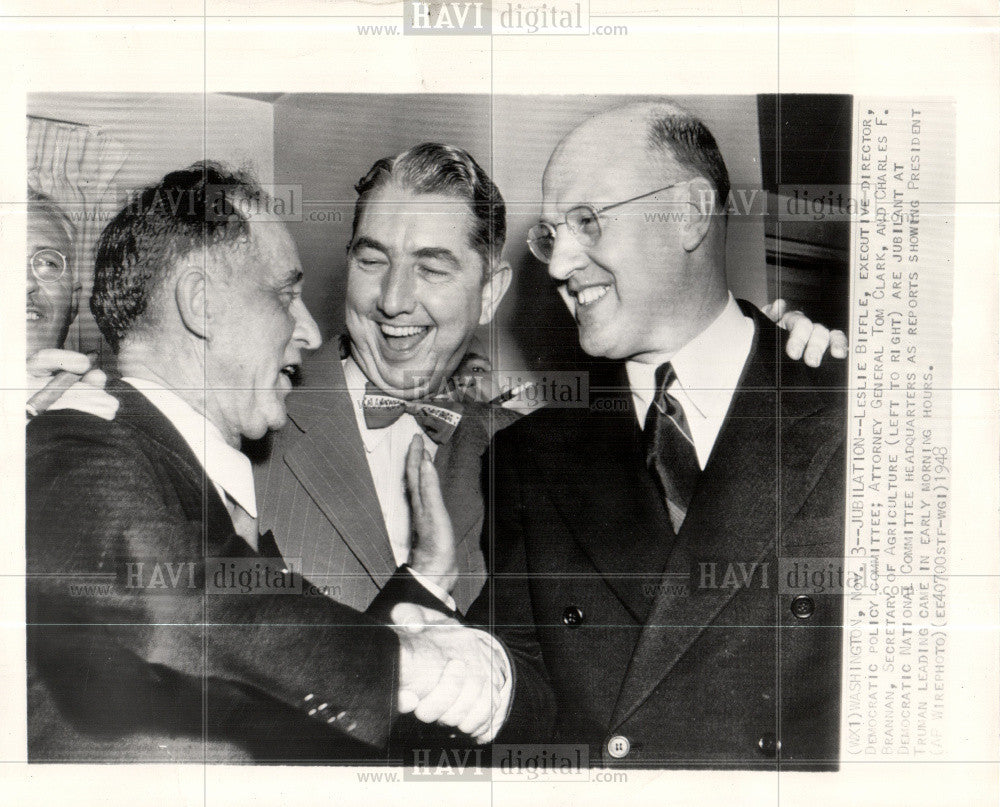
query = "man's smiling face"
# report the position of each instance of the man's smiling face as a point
(51, 305)
(416, 289)
(260, 326)
(628, 291)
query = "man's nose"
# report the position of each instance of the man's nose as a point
(306, 330)
(568, 255)
(32, 280)
(397, 292)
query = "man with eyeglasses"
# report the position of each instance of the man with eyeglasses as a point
(53, 293)
(425, 270)
(640, 547)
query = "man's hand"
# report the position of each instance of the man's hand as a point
(45, 364)
(806, 341)
(69, 379)
(449, 674)
(433, 552)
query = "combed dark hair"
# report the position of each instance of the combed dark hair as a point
(684, 137)
(438, 168)
(191, 210)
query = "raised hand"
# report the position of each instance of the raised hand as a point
(450, 674)
(433, 552)
(806, 340)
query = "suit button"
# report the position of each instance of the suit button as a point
(573, 616)
(769, 745)
(619, 746)
(803, 607)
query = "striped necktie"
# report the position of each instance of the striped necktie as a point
(670, 454)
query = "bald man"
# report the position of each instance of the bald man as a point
(641, 548)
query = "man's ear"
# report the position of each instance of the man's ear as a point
(701, 210)
(494, 289)
(189, 295)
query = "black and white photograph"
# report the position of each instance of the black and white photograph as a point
(389, 439)
(619, 590)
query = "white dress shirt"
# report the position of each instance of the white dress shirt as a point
(708, 369)
(227, 467)
(385, 450)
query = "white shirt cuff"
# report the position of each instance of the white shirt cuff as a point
(501, 706)
(433, 588)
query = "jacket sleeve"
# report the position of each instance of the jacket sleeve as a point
(119, 572)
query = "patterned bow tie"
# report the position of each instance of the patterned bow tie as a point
(438, 417)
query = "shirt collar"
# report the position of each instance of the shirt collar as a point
(707, 367)
(356, 382)
(227, 467)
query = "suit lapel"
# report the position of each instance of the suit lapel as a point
(329, 461)
(459, 466)
(735, 515)
(618, 521)
(136, 410)
(463, 516)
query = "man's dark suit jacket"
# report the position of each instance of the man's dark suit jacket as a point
(315, 489)
(119, 673)
(730, 669)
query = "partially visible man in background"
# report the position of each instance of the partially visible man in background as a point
(53, 296)
(53, 289)
(473, 380)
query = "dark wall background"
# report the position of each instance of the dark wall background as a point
(806, 145)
